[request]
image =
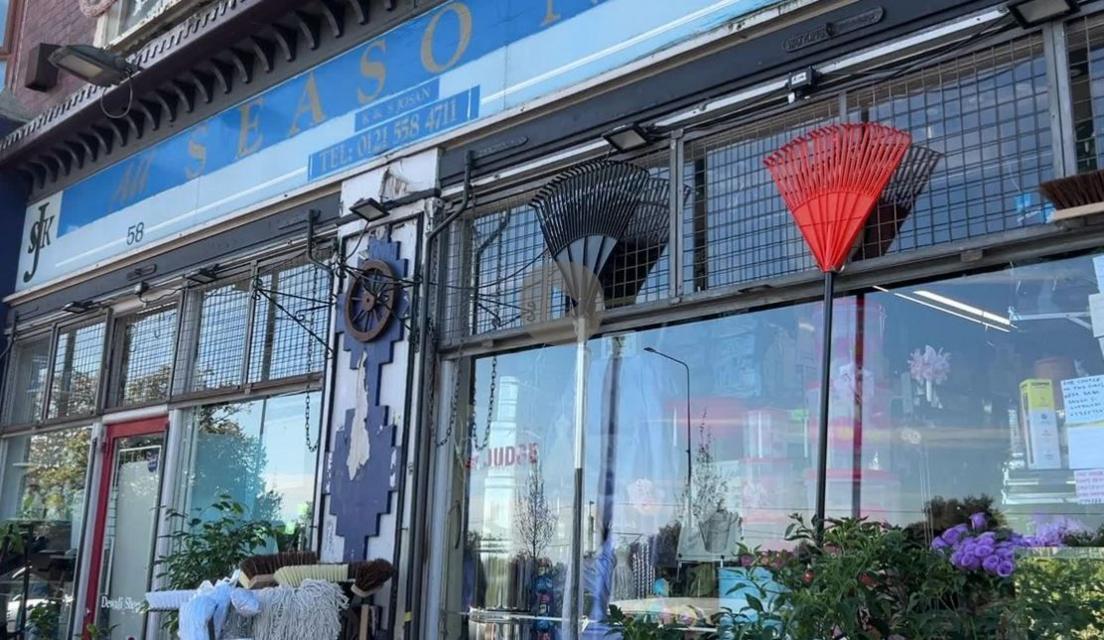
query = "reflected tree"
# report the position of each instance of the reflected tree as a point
(534, 517)
(232, 462)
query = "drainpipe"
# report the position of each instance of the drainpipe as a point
(419, 497)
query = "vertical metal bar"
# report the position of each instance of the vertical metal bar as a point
(857, 431)
(825, 387)
(47, 389)
(575, 600)
(104, 386)
(251, 310)
(1056, 51)
(675, 241)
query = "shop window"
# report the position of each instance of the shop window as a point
(978, 392)
(697, 441)
(75, 380)
(28, 369)
(130, 22)
(263, 454)
(43, 492)
(290, 321)
(503, 278)
(987, 116)
(980, 385)
(145, 357)
(257, 328)
(736, 227)
(1086, 58)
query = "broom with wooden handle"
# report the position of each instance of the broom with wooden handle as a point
(830, 180)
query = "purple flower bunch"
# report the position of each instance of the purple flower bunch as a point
(973, 547)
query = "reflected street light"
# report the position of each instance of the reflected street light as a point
(689, 449)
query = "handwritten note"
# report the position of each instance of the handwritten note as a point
(1084, 399)
(1090, 486)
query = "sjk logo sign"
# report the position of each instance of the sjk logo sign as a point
(39, 229)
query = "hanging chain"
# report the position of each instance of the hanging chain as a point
(490, 408)
(313, 448)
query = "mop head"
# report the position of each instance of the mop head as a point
(257, 571)
(295, 576)
(311, 611)
(367, 577)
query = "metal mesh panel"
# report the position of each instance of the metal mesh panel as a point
(78, 359)
(146, 343)
(735, 225)
(501, 276)
(218, 324)
(987, 114)
(1086, 58)
(293, 303)
(26, 387)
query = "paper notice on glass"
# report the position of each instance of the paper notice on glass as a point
(1096, 314)
(1090, 486)
(1086, 447)
(1084, 399)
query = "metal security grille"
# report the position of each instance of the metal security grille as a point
(265, 325)
(736, 227)
(217, 327)
(290, 320)
(1086, 59)
(145, 348)
(501, 277)
(988, 115)
(28, 369)
(78, 360)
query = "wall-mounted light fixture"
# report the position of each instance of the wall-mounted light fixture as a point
(628, 137)
(78, 307)
(93, 65)
(1031, 13)
(370, 209)
(206, 275)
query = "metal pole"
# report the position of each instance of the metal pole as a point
(574, 604)
(689, 431)
(825, 388)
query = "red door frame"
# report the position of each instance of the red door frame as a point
(115, 432)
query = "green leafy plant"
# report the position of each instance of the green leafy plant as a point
(212, 547)
(97, 632)
(43, 618)
(642, 627)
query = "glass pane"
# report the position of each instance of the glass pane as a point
(512, 558)
(699, 445)
(129, 13)
(5, 9)
(293, 303)
(219, 325)
(736, 226)
(27, 372)
(986, 117)
(44, 491)
(1086, 58)
(973, 386)
(263, 454)
(77, 363)
(132, 507)
(147, 355)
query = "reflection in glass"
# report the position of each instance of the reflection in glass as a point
(78, 359)
(510, 566)
(26, 386)
(985, 385)
(665, 528)
(147, 354)
(262, 454)
(44, 490)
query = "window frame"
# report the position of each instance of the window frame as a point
(171, 11)
(113, 397)
(106, 319)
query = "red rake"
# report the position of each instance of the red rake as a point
(831, 179)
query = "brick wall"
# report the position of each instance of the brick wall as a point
(51, 21)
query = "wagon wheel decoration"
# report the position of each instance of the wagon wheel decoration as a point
(370, 301)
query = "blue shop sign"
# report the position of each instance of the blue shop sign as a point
(465, 60)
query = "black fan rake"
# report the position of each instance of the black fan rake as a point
(898, 199)
(584, 214)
